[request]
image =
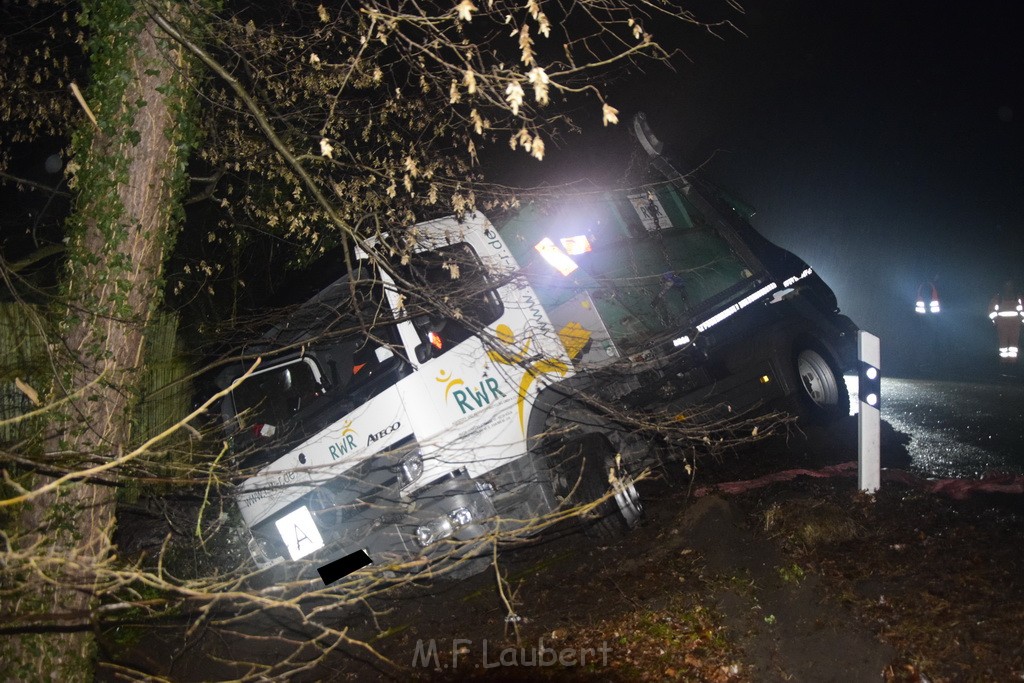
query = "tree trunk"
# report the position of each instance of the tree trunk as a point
(132, 160)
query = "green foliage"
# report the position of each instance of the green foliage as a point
(23, 355)
(794, 574)
(165, 389)
(61, 519)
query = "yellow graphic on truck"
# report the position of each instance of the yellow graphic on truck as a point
(518, 358)
(450, 382)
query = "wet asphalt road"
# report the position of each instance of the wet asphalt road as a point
(958, 428)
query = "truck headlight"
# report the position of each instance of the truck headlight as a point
(434, 531)
(443, 527)
(262, 549)
(460, 517)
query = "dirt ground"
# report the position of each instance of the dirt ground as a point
(797, 581)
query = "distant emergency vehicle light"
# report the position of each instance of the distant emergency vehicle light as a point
(555, 256)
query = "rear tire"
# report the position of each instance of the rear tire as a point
(823, 396)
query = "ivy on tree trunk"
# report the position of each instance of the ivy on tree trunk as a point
(130, 155)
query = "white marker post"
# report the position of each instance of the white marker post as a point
(869, 417)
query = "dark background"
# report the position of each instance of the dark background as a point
(880, 141)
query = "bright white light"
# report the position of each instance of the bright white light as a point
(722, 315)
(718, 317)
(555, 256)
(576, 245)
(758, 294)
(681, 341)
(871, 373)
(789, 282)
(871, 399)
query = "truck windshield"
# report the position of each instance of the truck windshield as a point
(650, 262)
(658, 276)
(455, 275)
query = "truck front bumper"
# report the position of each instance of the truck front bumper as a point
(398, 535)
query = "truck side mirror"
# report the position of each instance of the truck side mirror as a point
(424, 352)
(431, 326)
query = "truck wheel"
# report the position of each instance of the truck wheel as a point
(823, 395)
(591, 468)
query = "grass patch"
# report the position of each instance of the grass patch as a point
(684, 641)
(810, 523)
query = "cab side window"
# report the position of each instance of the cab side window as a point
(345, 350)
(452, 296)
(360, 342)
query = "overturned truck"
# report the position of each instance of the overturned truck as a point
(466, 373)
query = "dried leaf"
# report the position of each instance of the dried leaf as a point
(465, 10)
(326, 149)
(540, 81)
(29, 392)
(514, 95)
(526, 46)
(469, 80)
(411, 166)
(452, 268)
(537, 148)
(609, 114)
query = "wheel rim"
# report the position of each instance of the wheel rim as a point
(626, 497)
(817, 378)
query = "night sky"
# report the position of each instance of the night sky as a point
(883, 142)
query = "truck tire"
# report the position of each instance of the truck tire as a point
(589, 467)
(823, 397)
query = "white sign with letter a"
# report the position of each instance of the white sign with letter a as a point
(299, 532)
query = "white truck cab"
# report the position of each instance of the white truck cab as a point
(388, 430)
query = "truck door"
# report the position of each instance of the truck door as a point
(480, 344)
